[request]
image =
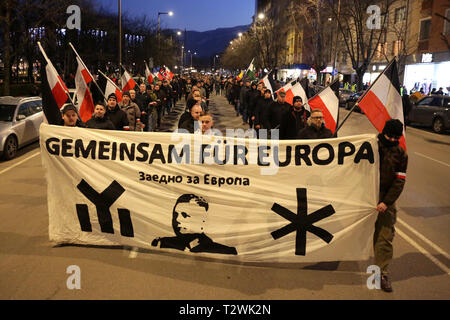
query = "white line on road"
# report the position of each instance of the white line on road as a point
(422, 155)
(19, 163)
(421, 237)
(423, 251)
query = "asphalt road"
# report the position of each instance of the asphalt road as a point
(32, 268)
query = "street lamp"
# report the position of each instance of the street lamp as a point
(261, 16)
(240, 34)
(216, 56)
(191, 57)
(170, 13)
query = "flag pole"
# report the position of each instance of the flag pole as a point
(48, 61)
(364, 94)
(82, 62)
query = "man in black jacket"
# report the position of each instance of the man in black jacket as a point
(315, 128)
(277, 109)
(194, 117)
(393, 165)
(117, 116)
(262, 120)
(293, 121)
(99, 120)
(161, 98)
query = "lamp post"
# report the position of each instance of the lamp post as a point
(120, 37)
(216, 56)
(170, 13)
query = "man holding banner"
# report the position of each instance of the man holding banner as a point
(393, 164)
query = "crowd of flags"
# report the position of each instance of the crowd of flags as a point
(380, 102)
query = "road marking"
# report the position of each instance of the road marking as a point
(421, 237)
(423, 251)
(19, 163)
(422, 155)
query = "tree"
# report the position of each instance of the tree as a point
(313, 18)
(361, 33)
(269, 42)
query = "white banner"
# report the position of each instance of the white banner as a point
(234, 198)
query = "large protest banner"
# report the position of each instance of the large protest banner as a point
(228, 198)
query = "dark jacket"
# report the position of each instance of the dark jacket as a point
(100, 123)
(253, 97)
(118, 117)
(292, 123)
(188, 124)
(393, 165)
(262, 112)
(276, 113)
(183, 118)
(311, 132)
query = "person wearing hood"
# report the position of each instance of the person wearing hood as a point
(393, 165)
(315, 127)
(117, 116)
(99, 119)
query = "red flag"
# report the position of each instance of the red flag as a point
(382, 100)
(82, 78)
(111, 88)
(57, 86)
(328, 102)
(148, 74)
(127, 82)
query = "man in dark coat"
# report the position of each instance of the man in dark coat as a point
(262, 120)
(393, 165)
(293, 121)
(315, 128)
(277, 109)
(194, 117)
(99, 120)
(117, 116)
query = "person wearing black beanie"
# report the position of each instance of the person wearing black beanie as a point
(393, 164)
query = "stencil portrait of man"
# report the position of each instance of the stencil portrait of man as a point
(188, 221)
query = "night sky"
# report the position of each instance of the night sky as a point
(195, 15)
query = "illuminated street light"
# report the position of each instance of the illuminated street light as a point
(170, 13)
(240, 34)
(261, 16)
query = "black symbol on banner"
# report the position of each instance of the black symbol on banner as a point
(103, 201)
(302, 222)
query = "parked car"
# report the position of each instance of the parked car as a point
(431, 111)
(344, 94)
(20, 119)
(352, 100)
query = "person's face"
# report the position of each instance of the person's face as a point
(70, 118)
(112, 103)
(317, 119)
(99, 111)
(391, 138)
(196, 111)
(126, 99)
(281, 99)
(267, 95)
(298, 105)
(191, 218)
(196, 95)
(207, 123)
(132, 94)
(142, 88)
(157, 87)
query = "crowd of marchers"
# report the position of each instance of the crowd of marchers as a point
(142, 108)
